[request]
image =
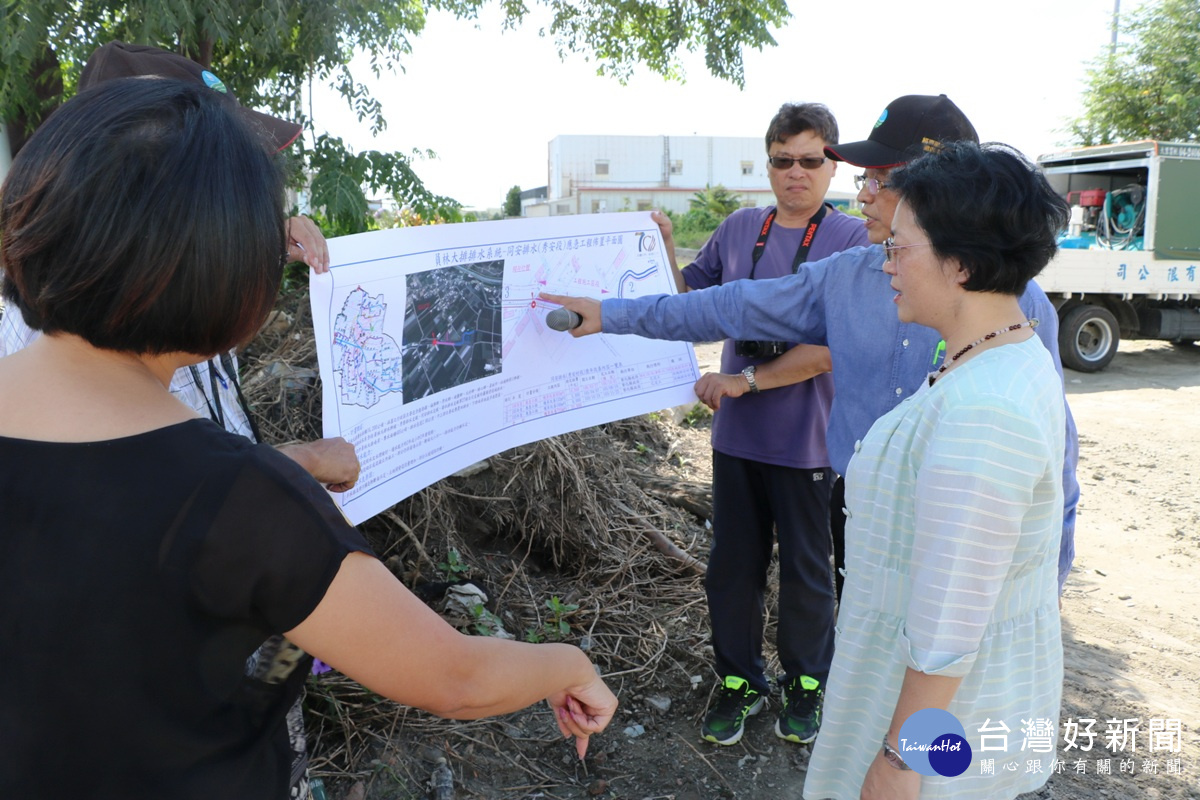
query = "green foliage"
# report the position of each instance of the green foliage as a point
(556, 620)
(1150, 88)
(621, 34)
(269, 51)
(709, 208)
(266, 51)
(340, 175)
(512, 202)
(697, 415)
(342, 199)
(555, 626)
(717, 200)
(453, 567)
(388, 218)
(486, 623)
(693, 228)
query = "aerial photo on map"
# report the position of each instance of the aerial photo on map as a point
(452, 327)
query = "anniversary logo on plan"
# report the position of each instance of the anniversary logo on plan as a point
(933, 742)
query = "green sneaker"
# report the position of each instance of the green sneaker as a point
(800, 718)
(726, 720)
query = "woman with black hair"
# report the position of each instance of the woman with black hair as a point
(145, 553)
(954, 505)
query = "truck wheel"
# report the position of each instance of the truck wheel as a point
(1087, 338)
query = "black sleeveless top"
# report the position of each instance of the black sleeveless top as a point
(137, 575)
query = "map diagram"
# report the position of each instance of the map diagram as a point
(435, 353)
(366, 360)
(452, 327)
(599, 269)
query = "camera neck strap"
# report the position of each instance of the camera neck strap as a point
(805, 243)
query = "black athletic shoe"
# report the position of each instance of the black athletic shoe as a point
(726, 720)
(800, 718)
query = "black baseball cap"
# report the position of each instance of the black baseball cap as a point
(908, 127)
(120, 60)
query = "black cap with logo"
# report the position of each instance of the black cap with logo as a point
(120, 60)
(910, 126)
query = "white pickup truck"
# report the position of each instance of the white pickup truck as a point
(1129, 264)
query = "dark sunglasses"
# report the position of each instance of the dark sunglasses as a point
(784, 162)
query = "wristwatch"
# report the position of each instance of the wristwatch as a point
(748, 374)
(892, 757)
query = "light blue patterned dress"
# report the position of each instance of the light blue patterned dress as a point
(955, 512)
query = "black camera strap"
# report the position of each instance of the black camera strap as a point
(805, 243)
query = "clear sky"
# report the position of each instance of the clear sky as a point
(488, 102)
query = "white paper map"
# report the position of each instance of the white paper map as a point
(434, 352)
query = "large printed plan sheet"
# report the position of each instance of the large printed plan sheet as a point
(435, 354)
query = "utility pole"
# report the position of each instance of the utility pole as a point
(1116, 18)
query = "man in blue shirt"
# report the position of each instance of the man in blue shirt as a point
(845, 303)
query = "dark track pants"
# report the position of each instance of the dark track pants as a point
(753, 501)
(837, 527)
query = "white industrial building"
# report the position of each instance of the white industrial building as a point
(595, 174)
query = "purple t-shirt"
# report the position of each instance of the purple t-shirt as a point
(783, 426)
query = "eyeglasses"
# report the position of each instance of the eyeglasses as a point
(873, 184)
(890, 247)
(808, 162)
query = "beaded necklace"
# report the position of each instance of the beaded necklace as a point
(1030, 323)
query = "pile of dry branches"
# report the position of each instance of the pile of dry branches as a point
(566, 529)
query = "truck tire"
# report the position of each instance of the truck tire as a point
(1087, 338)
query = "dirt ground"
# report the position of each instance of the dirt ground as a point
(1131, 608)
(1131, 625)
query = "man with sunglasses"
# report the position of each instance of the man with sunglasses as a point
(845, 303)
(771, 475)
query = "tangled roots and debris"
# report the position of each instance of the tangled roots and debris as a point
(564, 535)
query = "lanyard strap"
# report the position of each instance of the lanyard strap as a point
(232, 373)
(215, 411)
(805, 243)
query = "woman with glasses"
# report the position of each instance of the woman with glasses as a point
(145, 553)
(955, 506)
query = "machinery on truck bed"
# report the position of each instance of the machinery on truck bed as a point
(1128, 265)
